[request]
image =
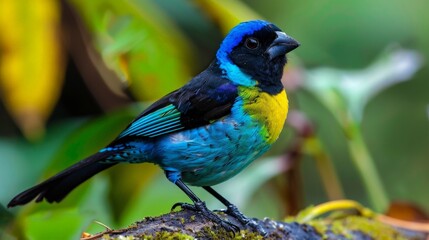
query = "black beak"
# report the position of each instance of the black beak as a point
(281, 45)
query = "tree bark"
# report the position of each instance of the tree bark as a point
(187, 224)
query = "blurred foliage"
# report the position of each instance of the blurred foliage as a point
(150, 48)
(27, 70)
(127, 33)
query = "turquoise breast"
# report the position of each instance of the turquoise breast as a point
(211, 154)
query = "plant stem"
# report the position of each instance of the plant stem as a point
(366, 167)
(327, 172)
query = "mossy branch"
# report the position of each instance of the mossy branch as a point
(188, 224)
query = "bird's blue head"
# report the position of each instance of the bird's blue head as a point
(254, 52)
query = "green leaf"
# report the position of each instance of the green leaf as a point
(25, 162)
(139, 43)
(5, 216)
(347, 92)
(92, 136)
(156, 198)
(88, 139)
(68, 221)
(58, 224)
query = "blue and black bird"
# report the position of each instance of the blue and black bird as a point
(205, 132)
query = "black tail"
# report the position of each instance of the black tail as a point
(57, 187)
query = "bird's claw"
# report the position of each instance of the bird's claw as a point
(233, 211)
(186, 206)
(202, 208)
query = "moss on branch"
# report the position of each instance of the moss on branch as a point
(187, 224)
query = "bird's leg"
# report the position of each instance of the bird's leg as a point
(233, 211)
(200, 206)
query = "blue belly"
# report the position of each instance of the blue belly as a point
(212, 154)
(204, 156)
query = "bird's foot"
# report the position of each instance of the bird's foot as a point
(183, 205)
(201, 208)
(233, 211)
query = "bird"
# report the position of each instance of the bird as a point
(205, 132)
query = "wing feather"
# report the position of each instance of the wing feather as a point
(161, 121)
(204, 99)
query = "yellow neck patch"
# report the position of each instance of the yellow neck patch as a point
(269, 110)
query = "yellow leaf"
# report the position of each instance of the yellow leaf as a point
(31, 65)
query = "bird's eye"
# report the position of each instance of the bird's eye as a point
(251, 43)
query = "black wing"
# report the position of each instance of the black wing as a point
(204, 99)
